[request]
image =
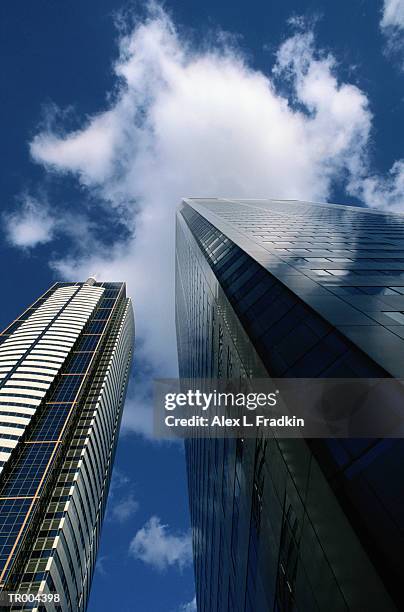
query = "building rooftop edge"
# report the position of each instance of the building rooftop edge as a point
(364, 209)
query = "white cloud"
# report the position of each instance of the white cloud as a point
(36, 221)
(32, 224)
(119, 480)
(393, 14)
(155, 545)
(124, 508)
(188, 122)
(189, 607)
(387, 193)
(89, 152)
(100, 565)
(392, 26)
(138, 414)
(121, 500)
(340, 121)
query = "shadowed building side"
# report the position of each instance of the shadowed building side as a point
(292, 289)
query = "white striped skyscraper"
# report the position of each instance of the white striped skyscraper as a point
(64, 368)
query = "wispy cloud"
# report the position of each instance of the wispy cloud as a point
(122, 504)
(119, 480)
(124, 508)
(392, 26)
(31, 224)
(189, 607)
(155, 545)
(385, 192)
(393, 14)
(100, 565)
(138, 413)
(35, 221)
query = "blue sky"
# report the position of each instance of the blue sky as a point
(111, 112)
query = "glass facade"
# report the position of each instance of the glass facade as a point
(64, 367)
(292, 289)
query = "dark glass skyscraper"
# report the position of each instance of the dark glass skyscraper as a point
(292, 289)
(64, 367)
